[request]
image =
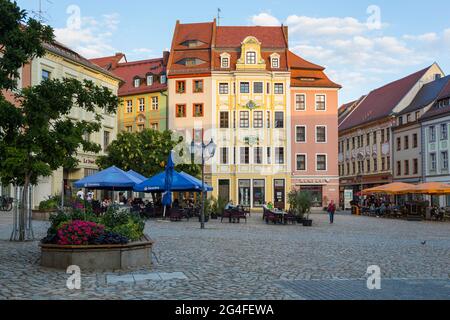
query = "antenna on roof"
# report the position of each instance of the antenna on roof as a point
(219, 11)
(39, 14)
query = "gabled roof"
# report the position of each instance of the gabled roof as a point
(307, 74)
(427, 94)
(110, 62)
(232, 36)
(347, 108)
(63, 51)
(445, 93)
(203, 33)
(380, 102)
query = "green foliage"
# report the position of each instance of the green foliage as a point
(51, 203)
(300, 202)
(114, 217)
(145, 152)
(218, 205)
(21, 39)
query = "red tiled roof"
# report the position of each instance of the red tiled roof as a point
(108, 63)
(130, 70)
(299, 63)
(380, 102)
(202, 32)
(345, 109)
(232, 37)
(234, 56)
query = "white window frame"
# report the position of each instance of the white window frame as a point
(444, 162)
(431, 168)
(278, 83)
(149, 77)
(247, 57)
(241, 148)
(326, 133)
(326, 162)
(141, 106)
(227, 85)
(155, 106)
(276, 156)
(306, 162)
(225, 57)
(227, 150)
(137, 82)
(316, 96)
(295, 102)
(306, 136)
(129, 105)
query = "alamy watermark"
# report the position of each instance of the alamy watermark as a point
(374, 277)
(74, 280)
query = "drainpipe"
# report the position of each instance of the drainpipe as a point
(167, 109)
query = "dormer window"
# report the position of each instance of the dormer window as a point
(163, 79)
(225, 60)
(190, 62)
(137, 82)
(250, 57)
(275, 63)
(193, 43)
(149, 80)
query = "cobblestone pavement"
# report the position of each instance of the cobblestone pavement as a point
(244, 261)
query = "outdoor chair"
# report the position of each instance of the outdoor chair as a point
(237, 215)
(226, 215)
(290, 218)
(175, 215)
(271, 217)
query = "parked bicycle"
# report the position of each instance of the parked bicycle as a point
(6, 203)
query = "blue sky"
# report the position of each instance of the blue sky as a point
(361, 49)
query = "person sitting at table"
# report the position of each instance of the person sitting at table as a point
(176, 204)
(270, 206)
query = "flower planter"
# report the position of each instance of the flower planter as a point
(42, 215)
(98, 257)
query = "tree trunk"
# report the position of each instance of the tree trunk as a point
(23, 212)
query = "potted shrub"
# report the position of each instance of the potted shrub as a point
(217, 207)
(46, 208)
(300, 203)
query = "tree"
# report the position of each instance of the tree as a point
(36, 134)
(145, 152)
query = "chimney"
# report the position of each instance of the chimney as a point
(166, 55)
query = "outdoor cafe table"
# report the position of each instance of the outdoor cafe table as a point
(280, 215)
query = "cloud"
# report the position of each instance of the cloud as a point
(91, 37)
(356, 55)
(265, 19)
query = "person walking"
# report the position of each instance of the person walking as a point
(331, 211)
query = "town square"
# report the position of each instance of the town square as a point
(271, 155)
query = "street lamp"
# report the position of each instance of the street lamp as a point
(207, 151)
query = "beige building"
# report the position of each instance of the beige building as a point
(60, 62)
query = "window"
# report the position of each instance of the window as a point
(415, 166)
(245, 87)
(300, 102)
(129, 106)
(190, 62)
(223, 88)
(180, 86)
(399, 144)
(45, 75)
(388, 134)
(415, 140)
(368, 165)
(258, 87)
(269, 155)
(224, 120)
(433, 161)
(300, 134)
(388, 163)
(198, 86)
(406, 142)
(257, 119)
(225, 62)
(432, 132)
(141, 127)
(198, 135)
(250, 57)
(399, 168)
(375, 138)
(149, 80)
(320, 102)
(383, 164)
(129, 128)
(245, 155)
(163, 79)
(321, 134)
(279, 155)
(181, 111)
(141, 104)
(244, 119)
(155, 103)
(279, 120)
(269, 123)
(258, 155)
(382, 136)
(400, 121)
(406, 167)
(275, 63)
(279, 88)
(301, 162)
(137, 82)
(197, 110)
(321, 164)
(224, 155)
(368, 139)
(444, 160)
(106, 140)
(154, 126)
(444, 131)
(417, 115)
(408, 118)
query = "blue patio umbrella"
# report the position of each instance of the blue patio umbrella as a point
(137, 175)
(112, 178)
(170, 168)
(181, 182)
(197, 181)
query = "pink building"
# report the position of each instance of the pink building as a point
(314, 120)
